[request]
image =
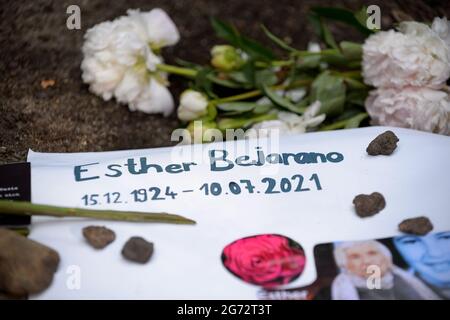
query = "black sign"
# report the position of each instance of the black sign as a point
(15, 184)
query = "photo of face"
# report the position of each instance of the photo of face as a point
(428, 255)
(360, 256)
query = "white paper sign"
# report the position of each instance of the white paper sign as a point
(302, 189)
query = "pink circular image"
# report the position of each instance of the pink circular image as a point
(267, 260)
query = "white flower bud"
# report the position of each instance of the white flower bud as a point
(193, 105)
(226, 58)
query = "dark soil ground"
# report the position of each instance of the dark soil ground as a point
(35, 45)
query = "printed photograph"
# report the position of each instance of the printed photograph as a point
(406, 267)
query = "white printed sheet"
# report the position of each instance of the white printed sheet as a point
(307, 199)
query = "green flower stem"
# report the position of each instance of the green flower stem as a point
(343, 123)
(297, 84)
(191, 73)
(326, 52)
(28, 209)
(336, 125)
(355, 74)
(257, 93)
(185, 72)
(276, 63)
(242, 96)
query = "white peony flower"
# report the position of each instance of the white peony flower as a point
(119, 61)
(288, 122)
(415, 56)
(154, 98)
(442, 28)
(155, 27)
(417, 108)
(109, 50)
(193, 105)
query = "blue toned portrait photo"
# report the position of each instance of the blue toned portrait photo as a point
(429, 258)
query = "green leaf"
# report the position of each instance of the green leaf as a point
(348, 113)
(237, 106)
(322, 30)
(187, 64)
(265, 77)
(354, 64)
(277, 40)
(351, 50)
(225, 31)
(328, 36)
(361, 16)
(280, 101)
(235, 123)
(262, 108)
(224, 82)
(330, 91)
(202, 83)
(255, 49)
(335, 57)
(212, 111)
(355, 121)
(354, 84)
(249, 71)
(345, 16)
(250, 78)
(229, 33)
(357, 97)
(239, 76)
(315, 23)
(309, 62)
(349, 119)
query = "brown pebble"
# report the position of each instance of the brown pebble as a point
(98, 237)
(418, 226)
(47, 83)
(384, 144)
(137, 249)
(26, 266)
(368, 205)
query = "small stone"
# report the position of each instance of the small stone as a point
(419, 226)
(98, 237)
(46, 83)
(367, 205)
(26, 266)
(384, 144)
(137, 249)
